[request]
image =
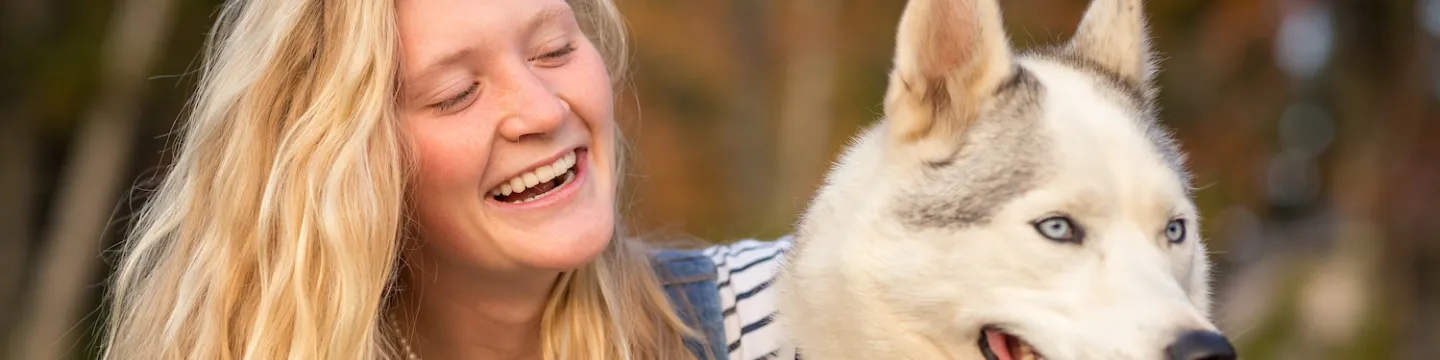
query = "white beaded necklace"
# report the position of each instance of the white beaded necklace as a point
(404, 342)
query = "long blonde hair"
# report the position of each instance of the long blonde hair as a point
(276, 231)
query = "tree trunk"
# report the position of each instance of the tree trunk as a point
(744, 134)
(21, 22)
(17, 190)
(94, 174)
(806, 114)
(1385, 92)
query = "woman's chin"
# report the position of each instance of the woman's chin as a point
(563, 247)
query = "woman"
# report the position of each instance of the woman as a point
(417, 179)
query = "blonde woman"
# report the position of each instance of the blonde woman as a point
(432, 179)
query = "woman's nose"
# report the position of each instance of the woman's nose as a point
(530, 107)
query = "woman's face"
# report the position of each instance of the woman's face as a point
(509, 108)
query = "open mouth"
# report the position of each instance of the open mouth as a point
(540, 182)
(996, 344)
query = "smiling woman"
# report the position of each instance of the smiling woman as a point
(431, 178)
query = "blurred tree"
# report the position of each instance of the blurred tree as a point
(17, 202)
(807, 107)
(96, 171)
(22, 22)
(744, 134)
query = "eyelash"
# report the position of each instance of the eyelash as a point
(451, 102)
(566, 50)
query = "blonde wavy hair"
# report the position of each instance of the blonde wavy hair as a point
(276, 232)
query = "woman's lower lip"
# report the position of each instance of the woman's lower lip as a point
(561, 194)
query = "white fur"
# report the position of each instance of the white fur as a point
(862, 284)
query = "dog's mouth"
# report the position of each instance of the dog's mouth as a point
(996, 344)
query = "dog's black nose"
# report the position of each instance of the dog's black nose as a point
(1201, 345)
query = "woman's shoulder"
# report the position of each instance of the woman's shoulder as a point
(745, 271)
(728, 286)
(734, 258)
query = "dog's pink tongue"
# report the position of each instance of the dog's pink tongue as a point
(998, 342)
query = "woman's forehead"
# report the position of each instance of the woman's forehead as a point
(436, 32)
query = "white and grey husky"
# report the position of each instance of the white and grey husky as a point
(1009, 206)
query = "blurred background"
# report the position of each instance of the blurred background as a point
(1309, 125)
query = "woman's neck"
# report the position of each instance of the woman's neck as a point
(466, 313)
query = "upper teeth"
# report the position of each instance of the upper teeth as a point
(544, 173)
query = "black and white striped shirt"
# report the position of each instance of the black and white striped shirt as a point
(746, 270)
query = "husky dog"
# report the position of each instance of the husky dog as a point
(1009, 206)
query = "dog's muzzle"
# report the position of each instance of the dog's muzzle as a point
(996, 344)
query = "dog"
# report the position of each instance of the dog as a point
(1008, 206)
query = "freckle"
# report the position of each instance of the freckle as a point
(508, 103)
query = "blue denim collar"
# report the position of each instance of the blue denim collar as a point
(690, 282)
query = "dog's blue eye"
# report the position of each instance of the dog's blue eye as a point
(1058, 228)
(1175, 232)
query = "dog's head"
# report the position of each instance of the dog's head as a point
(1008, 204)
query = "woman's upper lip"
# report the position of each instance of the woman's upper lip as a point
(546, 161)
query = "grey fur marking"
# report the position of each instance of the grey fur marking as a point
(1168, 147)
(964, 190)
(1136, 93)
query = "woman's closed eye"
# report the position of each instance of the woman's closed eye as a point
(553, 58)
(458, 99)
(556, 57)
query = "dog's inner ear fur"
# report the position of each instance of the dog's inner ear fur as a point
(950, 57)
(1112, 34)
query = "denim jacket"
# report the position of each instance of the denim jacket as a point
(689, 280)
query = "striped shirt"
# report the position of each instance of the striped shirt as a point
(746, 270)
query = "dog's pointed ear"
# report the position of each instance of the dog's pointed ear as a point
(950, 57)
(1113, 35)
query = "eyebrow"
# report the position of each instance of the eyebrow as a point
(549, 12)
(539, 18)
